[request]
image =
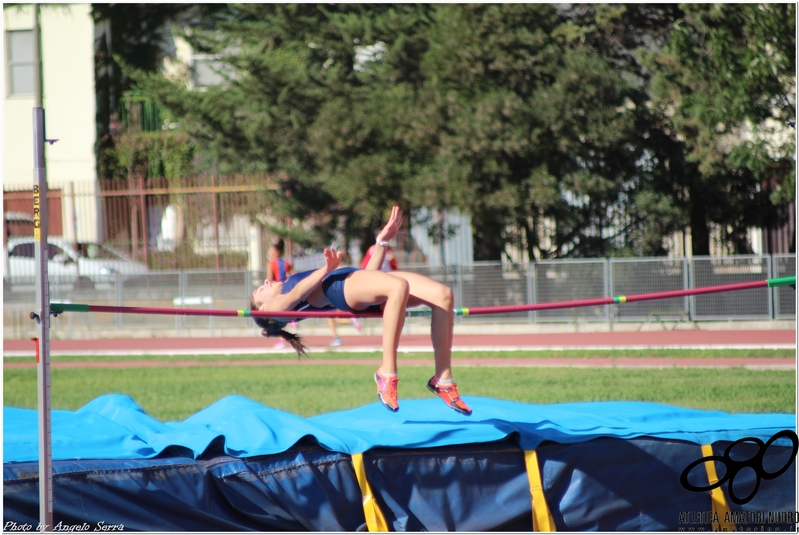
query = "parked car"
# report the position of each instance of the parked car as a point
(93, 263)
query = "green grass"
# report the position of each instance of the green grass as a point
(539, 354)
(173, 394)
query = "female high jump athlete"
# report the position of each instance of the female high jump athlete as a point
(368, 290)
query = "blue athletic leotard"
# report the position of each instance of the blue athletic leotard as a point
(332, 287)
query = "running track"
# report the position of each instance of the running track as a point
(695, 339)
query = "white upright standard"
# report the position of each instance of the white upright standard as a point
(42, 317)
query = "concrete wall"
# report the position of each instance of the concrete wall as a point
(67, 41)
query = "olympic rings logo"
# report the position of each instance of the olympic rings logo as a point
(733, 467)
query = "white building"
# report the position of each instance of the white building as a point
(456, 247)
(68, 98)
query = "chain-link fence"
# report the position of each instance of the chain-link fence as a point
(556, 281)
(482, 284)
(646, 276)
(745, 304)
(784, 265)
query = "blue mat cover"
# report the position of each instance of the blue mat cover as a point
(239, 465)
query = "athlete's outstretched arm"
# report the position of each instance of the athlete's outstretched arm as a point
(303, 288)
(388, 232)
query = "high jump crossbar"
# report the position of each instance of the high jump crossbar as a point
(57, 308)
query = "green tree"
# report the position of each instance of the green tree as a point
(650, 199)
(724, 85)
(528, 125)
(357, 140)
(579, 130)
(138, 36)
(294, 103)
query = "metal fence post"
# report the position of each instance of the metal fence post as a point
(182, 296)
(775, 296)
(610, 309)
(120, 297)
(459, 286)
(143, 219)
(215, 203)
(211, 318)
(530, 274)
(687, 300)
(689, 281)
(770, 292)
(248, 289)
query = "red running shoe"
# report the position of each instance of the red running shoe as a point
(387, 391)
(450, 396)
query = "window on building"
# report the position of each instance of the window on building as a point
(20, 63)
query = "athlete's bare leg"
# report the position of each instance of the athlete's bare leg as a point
(365, 288)
(398, 290)
(425, 291)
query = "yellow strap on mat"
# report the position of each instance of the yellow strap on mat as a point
(542, 518)
(718, 503)
(375, 521)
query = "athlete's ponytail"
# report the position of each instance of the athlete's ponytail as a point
(273, 327)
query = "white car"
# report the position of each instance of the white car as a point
(100, 264)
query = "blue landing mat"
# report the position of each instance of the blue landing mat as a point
(239, 465)
(115, 427)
